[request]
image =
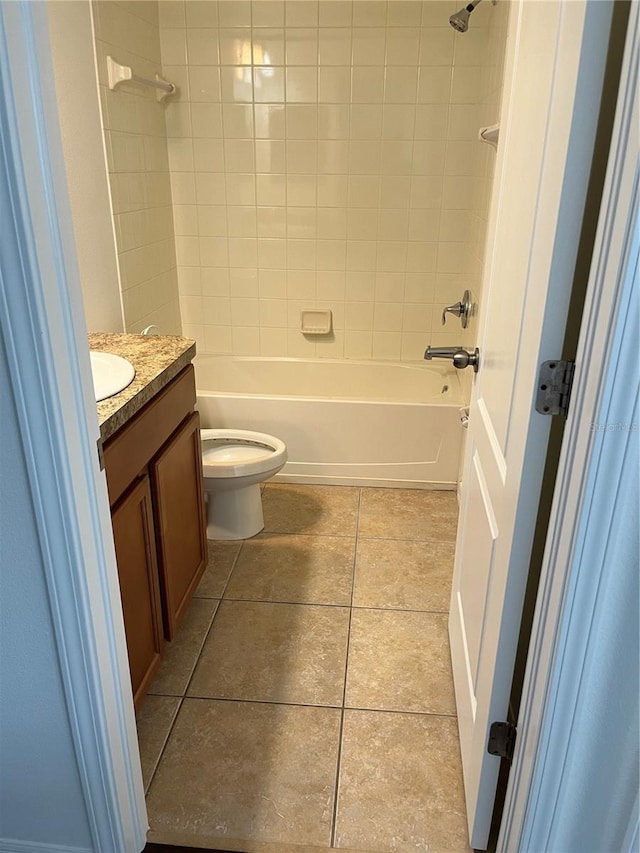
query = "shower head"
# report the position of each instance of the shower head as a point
(460, 20)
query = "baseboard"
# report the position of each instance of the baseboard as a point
(10, 845)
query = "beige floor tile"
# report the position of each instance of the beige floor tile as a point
(180, 656)
(400, 661)
(305, 569)
(408, 514)
(274, 653)
(189, 839)
(244, 770)
(405, 575)
(400, 785)
(291, 508)
(222, 556)
(154, 721)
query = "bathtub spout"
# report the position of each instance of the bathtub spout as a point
(460, 357)
(441, 352)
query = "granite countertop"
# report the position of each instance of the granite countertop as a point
(156, 359)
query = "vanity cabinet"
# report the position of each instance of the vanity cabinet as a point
(176, 477)
(134, 539)
(154, 477)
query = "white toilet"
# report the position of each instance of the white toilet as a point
(235, 462)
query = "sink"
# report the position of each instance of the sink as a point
(111, 374)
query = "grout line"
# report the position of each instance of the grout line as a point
(344, 689)
(198, 653)
(265, 532)
(164, 744)
(319, 707)
(399, 609)
(418, 539)
(210, 628)
(233, 566)
(279, 601)
(334, 815)
(313, 535)
(409, 713)
(265, 702)
(201, 647)
(167, 695)
(331, 604)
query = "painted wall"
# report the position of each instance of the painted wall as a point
(41, 800)
(326, 154)
(134, 130)
(73, 59)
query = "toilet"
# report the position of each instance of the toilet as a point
(234, 463)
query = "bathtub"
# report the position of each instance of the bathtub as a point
(354, 423)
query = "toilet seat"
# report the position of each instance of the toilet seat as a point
(240, 453)
(235, 462)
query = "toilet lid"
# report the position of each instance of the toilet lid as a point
(218, 450)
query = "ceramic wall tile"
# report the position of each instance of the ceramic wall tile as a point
(348, 127)
(140, 160)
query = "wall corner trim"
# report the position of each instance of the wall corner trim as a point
(44, 335)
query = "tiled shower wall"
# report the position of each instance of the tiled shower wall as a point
(135, 136)
(326, 155)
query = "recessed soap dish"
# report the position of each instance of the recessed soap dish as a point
(316, 321)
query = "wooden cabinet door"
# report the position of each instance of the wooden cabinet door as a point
(181, 532)
(133, 534)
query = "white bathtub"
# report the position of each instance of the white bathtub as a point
(344, 422)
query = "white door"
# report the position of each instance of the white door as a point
(553, 76)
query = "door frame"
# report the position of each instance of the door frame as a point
(45, 332)
(45, 337)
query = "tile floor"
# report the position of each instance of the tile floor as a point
(307, 701)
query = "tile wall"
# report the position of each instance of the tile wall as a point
(326, 155)
(135, 134)
(493, 20)
(488, 90)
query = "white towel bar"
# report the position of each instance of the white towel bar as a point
(118, 74)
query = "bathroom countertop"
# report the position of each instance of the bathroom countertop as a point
(156, 360)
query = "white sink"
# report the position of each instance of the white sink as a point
(111, 374)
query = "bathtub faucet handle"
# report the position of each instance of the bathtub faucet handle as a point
(462, 309)
(460, 356)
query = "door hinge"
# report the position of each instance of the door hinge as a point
(554, 387)
(502, 740)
